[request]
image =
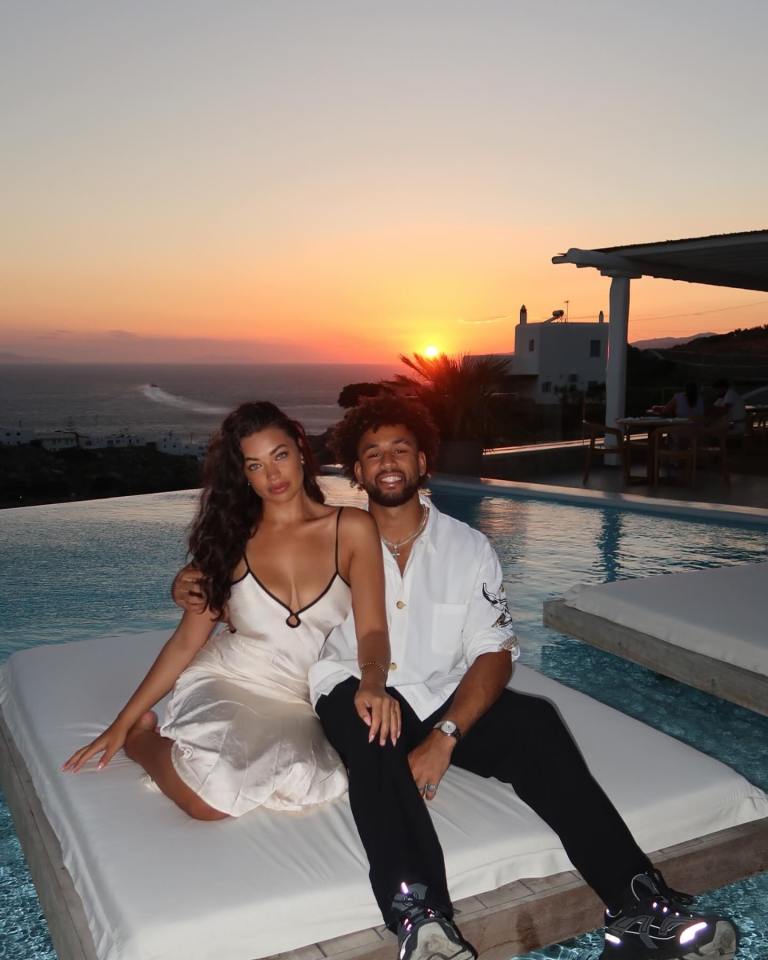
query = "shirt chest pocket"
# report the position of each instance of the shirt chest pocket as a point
(447, 625)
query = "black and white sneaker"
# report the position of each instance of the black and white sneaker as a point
(423, 933)
(655, 924)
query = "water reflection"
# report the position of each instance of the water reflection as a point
(609, 545)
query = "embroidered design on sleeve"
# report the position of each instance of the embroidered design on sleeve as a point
(499, 602)
(504, 620)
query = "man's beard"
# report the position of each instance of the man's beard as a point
(394, 499)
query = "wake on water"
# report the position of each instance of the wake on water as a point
(157, 395)
(315, 417)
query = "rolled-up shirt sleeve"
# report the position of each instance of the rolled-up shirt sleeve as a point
(488, 627)
(338, 661)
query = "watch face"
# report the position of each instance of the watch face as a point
(448, 726)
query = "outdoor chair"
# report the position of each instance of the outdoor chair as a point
(676, 446)
(598, 434)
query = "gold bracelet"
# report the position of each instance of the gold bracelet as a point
(374, 663)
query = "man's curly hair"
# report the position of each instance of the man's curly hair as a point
(373, 413)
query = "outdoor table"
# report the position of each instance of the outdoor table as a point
(647, 425)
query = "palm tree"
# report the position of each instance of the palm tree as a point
(457, 391)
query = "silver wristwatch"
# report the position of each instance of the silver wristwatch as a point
(449, 728)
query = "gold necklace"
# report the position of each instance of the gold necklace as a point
(394, 548)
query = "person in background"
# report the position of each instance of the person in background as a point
(730, 404)
(687, 403)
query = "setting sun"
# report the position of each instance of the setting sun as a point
(431, 352)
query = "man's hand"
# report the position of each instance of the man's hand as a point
(186, 590)
(429, 761)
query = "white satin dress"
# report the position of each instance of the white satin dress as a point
(244, 731)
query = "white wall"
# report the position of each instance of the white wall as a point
(13, 437)
(114, 440)
(559, 354)
(56, 441)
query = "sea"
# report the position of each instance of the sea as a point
(153, 400)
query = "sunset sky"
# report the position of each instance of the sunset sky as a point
(346, 181)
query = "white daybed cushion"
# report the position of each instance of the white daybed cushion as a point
(155, 884)
(722, 613)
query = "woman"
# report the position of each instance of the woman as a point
(282, 569)
(687, 403)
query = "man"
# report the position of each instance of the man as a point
(730, 404)
(453, 644)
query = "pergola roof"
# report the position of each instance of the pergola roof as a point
(723, 260)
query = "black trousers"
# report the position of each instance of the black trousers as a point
(521, 740)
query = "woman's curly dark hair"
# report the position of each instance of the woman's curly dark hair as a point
(385, 410)
(229, 509)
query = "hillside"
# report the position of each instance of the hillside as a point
(664, 343)
(30, 474)
(740, 356)
(8, 357)
(752, 342)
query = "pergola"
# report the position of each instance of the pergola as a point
(724, 260)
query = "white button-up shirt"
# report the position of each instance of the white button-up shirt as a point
(443, 612)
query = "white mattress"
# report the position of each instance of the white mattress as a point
(155, 884)
(721, 613)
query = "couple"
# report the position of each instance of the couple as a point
(284, 571)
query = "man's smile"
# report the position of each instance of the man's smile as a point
(390, 479)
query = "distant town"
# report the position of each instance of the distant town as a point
(69, 438)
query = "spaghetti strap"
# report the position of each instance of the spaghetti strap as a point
(336, 551)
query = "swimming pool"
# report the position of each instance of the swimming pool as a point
(76, 570)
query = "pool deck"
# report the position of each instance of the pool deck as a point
(745, 490)
(560, 465)
(513, 919)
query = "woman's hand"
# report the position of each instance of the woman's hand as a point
(379, 711)
(107, 745)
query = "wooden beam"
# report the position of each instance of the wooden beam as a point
(641, 265)
(60, 901)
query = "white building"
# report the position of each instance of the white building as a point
(175, 445)
(553, 357)
(113, 440)
(10, 437)
(59, 440)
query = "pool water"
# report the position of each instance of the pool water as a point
(76, 570)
